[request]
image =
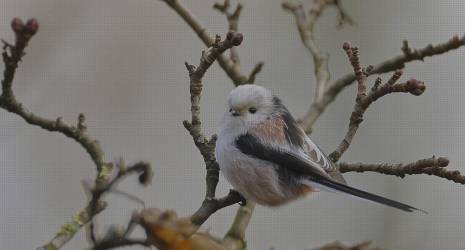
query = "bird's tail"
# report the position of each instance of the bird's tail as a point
(331, 185)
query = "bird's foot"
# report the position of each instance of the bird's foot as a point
(242, 200)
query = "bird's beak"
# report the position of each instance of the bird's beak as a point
(235, 112)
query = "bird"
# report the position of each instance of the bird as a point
(267, 157)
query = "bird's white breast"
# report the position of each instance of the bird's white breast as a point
(255, 179)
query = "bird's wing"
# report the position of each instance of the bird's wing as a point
(317, 155)
(282, 131)
(250, 145)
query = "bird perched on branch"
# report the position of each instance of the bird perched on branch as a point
(268, 158)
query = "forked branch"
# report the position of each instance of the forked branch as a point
(364, 100)
(306, 27)
(12, 55)
(227, 64)
(392, 64)
(207, 146)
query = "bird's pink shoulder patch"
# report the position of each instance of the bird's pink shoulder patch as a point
(270, 131)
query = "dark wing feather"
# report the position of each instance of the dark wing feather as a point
(251, 145)
(297, 138)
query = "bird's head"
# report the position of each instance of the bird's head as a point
(249, 105)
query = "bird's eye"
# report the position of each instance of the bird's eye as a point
(252, 110)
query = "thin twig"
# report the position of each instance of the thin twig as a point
(366, 245)
(143, 169)
(430, 166)
(210, 206)
(68, 230)
(306, 27)
(258, 67)
(96, 205)
(233, 23)
(232, 69)
(226, 64)
(392, 64)
(12, 55)
(364, 100)
(207, 146)
(235, 237)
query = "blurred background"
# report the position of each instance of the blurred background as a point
(122, 64)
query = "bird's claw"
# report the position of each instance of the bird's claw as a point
(242, 201)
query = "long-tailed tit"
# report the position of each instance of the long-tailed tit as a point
(269, 159)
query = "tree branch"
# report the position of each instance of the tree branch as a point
(235, 237)
(398, 62)
(233, 23)
(68, 230)
(364, 99)
(96, 205)
(232, 68)
(207, 146)
(430, 166)
(12, 55)
(228, 65)
(118, 236)
(339, 246)
(305, 26)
